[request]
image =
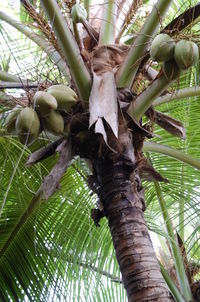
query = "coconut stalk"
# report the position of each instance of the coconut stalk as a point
(177, 95)
(87, 7)
(174, 290)
(128, 70)
(182, 207)
(178, 260)
(41, 42)
(107, 32)
(146, 98)
(70, 49)
(197, 77)
(185, 158)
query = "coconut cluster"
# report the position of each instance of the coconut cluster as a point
(46, 113)
(176, 56)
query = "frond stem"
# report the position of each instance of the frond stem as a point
(177, 95)
(128, 70)
(158, 148)
(71, 51)
(178, 261)
(107, 32)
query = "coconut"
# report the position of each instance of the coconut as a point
(54, 123)
(162, 48)
(171, 70)
(11, 119)
(27, 125)
(78, 13)
(44, 103)
(65, 96)
(186, 54)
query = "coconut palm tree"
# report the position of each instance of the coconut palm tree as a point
(113, 137)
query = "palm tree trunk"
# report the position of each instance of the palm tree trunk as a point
(122, 196)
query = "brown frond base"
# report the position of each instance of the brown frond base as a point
(196, 291)
(96, 215)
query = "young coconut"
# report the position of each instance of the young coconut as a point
(27, 125)
(186, 54)
(78, 13)
(54, 123)
(11, 119)
(162, 48)
(65, 96)
(171, 70)
(44, 103)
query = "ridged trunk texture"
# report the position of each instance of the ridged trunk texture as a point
(122, 197)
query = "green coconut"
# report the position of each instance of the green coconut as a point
(78, 13)
(186, 54)
(54, 123)
(27, 125)
(171, 70)
(162, 48)
(65, 96)
(11, 119)
(44, 103)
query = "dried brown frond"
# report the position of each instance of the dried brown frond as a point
(42, 24)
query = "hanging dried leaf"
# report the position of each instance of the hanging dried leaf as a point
(51, 181)
(96, 215)
(103, 97)
(125, 97)
(168, 123)
(99, 128)
(150, 72)
(103, 103)
(43, 153)
(147, 172)
(94, 35)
